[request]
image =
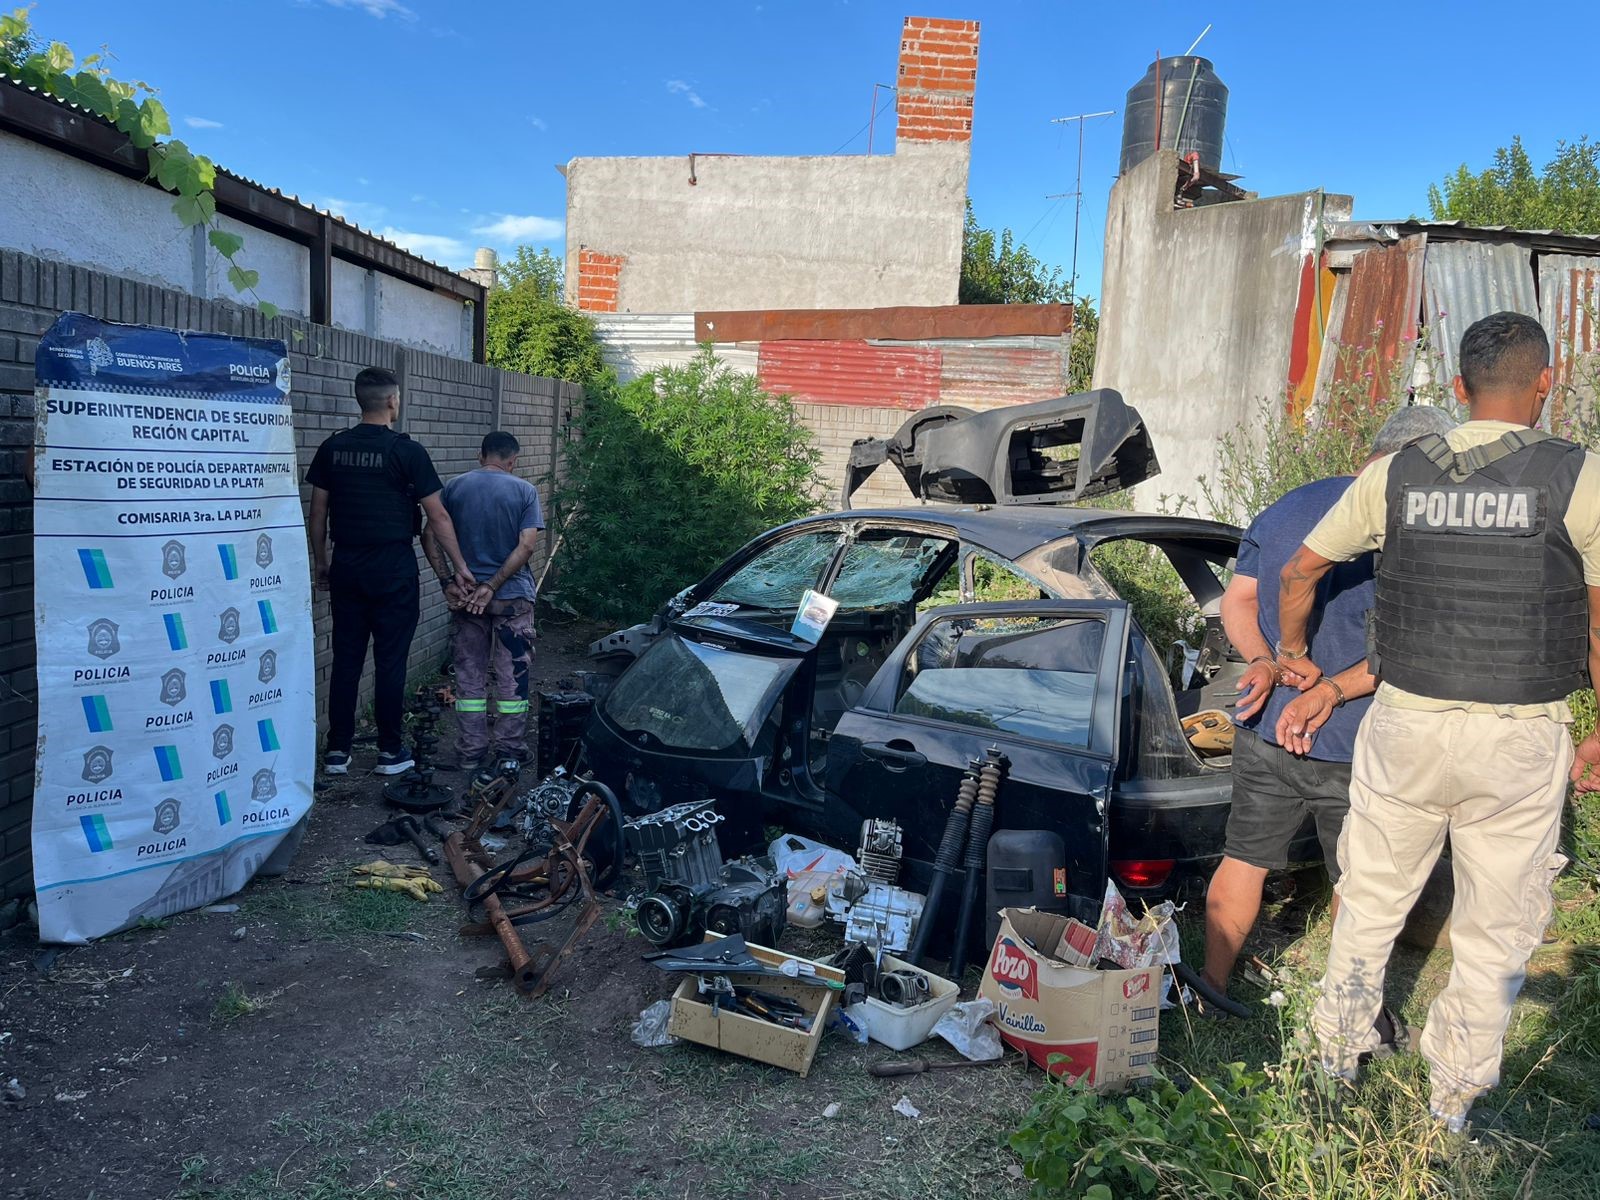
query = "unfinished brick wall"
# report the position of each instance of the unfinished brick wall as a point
(937, 80)
(447, 405)
(599, 280)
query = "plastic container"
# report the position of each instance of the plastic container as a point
(902, 1028)
(806, 912)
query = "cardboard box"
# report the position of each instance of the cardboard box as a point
(1102, 1026)
(694, 1020)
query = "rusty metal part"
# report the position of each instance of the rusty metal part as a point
(894, 324)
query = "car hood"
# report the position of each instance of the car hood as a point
(1050, 452)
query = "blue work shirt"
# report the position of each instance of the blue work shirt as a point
(1338, 623)
(490, 509)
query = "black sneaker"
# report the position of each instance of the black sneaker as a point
(336, 762)
(394, 762)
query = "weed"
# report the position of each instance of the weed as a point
(235, 1003)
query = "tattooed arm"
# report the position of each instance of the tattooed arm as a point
(1587, 779)
(1297, 590)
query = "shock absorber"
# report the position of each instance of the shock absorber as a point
(982, 824)
(947, 861)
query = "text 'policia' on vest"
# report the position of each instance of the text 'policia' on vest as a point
(1480, 590)
(376, 506)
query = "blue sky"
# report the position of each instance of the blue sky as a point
(440, 124)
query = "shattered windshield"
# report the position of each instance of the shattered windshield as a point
(779, 575)
(886, 569)
(693, 696)
(1031, 676)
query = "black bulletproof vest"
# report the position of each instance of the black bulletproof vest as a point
(370, 500)
(1480, 590)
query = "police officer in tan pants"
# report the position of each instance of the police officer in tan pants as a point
(1487, 618)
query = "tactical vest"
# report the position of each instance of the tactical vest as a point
(371, 502)
(1480, 590)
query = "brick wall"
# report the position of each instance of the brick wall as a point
(448, 405)
(599, 277)
(937, 80)
(836, 427)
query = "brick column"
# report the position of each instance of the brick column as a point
(938, 77)
(599, 277)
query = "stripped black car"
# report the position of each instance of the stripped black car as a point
(957, 629)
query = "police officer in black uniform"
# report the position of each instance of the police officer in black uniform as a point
(370, 480)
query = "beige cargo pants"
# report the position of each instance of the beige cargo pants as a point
(1496, 786)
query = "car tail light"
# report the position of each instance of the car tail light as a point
(1143, 872)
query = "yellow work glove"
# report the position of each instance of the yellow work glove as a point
(388, 870)
(417, 889)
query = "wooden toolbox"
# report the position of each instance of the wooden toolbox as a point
(694, 1020)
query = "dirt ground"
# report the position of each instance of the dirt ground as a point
(330, 1043)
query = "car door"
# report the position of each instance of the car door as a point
(1041, 680)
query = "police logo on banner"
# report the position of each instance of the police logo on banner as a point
(268, 669)
(263, 785)
(166, 816)
(264, 550)
(103, 641)
(174, 690)
(173, 560)
(222, 741)
(97, 764)
(228, 630)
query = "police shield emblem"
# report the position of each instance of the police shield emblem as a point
(97, 764)
(222, 741)
(268, 670)
(263, 551)
(173, 688)
(103, 642)
(166, 816)
(228, 630)
(173, 562)
(263, 785)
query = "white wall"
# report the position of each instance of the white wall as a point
(58, 207)
(756, 232)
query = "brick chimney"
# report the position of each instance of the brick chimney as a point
(938, 77)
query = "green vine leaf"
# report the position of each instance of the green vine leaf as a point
(268, 309)
(59, 57)
(195, 210)
(242, 279)
(225, 243)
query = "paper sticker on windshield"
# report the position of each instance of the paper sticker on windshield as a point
(712, 608)
(816, 610)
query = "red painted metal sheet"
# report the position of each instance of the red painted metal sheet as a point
(852, 373)
(983, 377)
(1379, 335)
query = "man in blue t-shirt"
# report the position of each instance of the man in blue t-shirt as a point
(497, 521)
(1292, 749)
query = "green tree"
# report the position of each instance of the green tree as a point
(1564, 196)
(528, 329)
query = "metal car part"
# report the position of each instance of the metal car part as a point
(882, 847)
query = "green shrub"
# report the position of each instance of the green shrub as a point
(531, 332)
(670, 474)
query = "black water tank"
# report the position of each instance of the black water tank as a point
(1193, 112)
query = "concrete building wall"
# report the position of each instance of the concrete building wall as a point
(448, 404)
(816, 232)
(62, 209)
(1197, 313)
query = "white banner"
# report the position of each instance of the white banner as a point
(177, 703)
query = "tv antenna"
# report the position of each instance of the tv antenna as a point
(1077, 195)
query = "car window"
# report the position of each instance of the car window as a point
(886, 568)
(991, 581)
(779, 575)
(692, 696)
(1029, 675)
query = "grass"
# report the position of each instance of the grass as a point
(327, 907)
(235, 1003)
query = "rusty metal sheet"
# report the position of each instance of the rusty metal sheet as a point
(843, 372)
(1379, 330)
(1465, 282)
(1569, 286)
(909, 324)
(981, 376)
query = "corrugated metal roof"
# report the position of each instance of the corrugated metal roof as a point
(982, 376)
(918, 323)
(1392, 231)
(852, 373)
(1569, 286)
(1465, 282)
(633, 344)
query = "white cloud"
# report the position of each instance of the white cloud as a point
(360, 211)
(538, 123)
(376, 8)
(202, 123)
(508, 229)
(679, 88)
(437, 246)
